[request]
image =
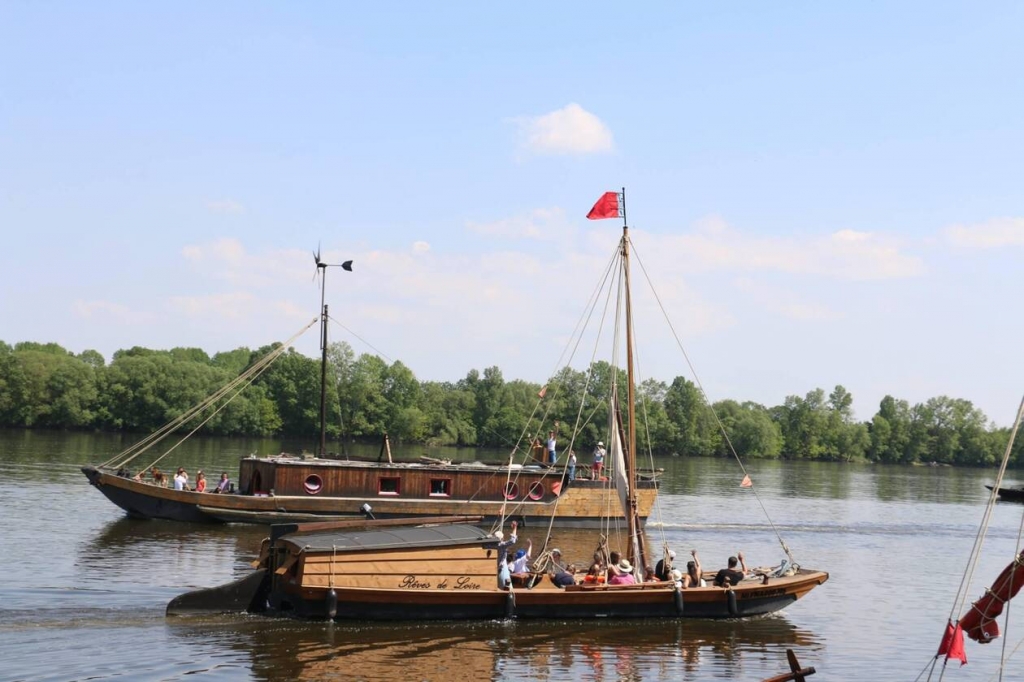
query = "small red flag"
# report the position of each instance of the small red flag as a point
(953, 644)
(746, 482)
(542, 392)
(606, 207)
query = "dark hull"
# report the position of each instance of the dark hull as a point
(1010, 494)
(145, 501)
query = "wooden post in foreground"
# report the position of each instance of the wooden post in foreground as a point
(797, 673)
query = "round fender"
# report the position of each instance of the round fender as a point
(678, 596)
(730, 596)
(332, 604)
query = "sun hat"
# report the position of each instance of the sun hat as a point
(600, 443)
(625, 566)
(557, 551)
(671, 554)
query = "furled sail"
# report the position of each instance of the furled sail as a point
(979, 624)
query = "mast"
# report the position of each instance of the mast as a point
(323, 379)
(636, 545)
(322, 268)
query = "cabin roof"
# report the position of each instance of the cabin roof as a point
(344, 540)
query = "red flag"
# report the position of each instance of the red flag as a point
(543, 392)
(953, 644)
(746, 482)
(606, 207)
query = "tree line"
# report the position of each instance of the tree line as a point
(46, 386)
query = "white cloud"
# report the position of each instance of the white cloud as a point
(108, 310)
(227, 259)
(543, 224)
(784, 302)
(845, 254)
(570, 130)
(991, 234)
(226, 206)
(226, 306)
(420, 247)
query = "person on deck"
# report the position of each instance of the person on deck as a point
(599, 454)
(560, 576)
(664, 566)
(200, 482)
(504, 576)
(731, 574)
(521, 564)
(613, 566)
(572, 465)
(552, 446)
(693, 572)
(181, 479)
(625, 574)
(222, 487)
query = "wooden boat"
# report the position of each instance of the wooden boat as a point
(291, 489)
(1008, 494)
(454, 571)
(287, 488)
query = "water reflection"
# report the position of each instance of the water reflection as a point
(543, 650)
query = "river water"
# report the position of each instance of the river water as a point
(83, 588)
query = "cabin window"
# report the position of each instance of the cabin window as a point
(313, 484)
(440, 487)
(389, 486)
(511, 491)
(536, 490)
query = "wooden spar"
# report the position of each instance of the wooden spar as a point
(796, 672)
(636, 538)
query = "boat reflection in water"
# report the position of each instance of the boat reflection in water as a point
(506, 650)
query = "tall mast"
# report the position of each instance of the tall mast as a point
(323, 378)
(636, 544)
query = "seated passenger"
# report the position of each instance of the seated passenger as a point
(731, 575)
(560, 575)
(596, 572)
(181, 479)
(693, 572)
(624, 575)
(664, 566)
(521, 564)
(613, 566)
(200, 482)
(222, 487)
(649, 576)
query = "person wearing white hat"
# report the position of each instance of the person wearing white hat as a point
(664, 566)
(625, 574)
(598, 460)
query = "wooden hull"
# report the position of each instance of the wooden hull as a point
(451, 574)
(648, 601)
(580, 504)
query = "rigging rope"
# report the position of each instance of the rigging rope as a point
(711, 407)
(246, 377)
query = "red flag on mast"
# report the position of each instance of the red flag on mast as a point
(608, 206)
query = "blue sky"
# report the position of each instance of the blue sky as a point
(823, 194)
